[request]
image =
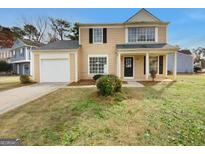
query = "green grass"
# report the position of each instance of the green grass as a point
(9, 82)
(159, 114)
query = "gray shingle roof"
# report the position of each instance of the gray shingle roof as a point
(62, 44)
(151, 46)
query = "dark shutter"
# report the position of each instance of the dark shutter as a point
(160, 64)
(144, 64)
(104, 35)
(90, 35)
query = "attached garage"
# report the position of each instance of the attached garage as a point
(55, 70)
(55, 62)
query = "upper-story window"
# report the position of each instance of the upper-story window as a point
(97, 35)
(141, 34)
(14, 53)
(22, 51)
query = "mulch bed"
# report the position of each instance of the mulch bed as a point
(82, 83)
(87, 82)
(148, 83)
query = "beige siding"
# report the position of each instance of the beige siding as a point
(142, 16)
(72, 67)
(162, 34)
(36, 68)
(114, 36)
(139, 67)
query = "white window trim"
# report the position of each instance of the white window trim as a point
(141, 42)
(126, 35)
(97, 56)
(102, 36)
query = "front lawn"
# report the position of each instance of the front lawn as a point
(159, 114)
(9, 82)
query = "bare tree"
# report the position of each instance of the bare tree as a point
(74, 32)
(199, 54)
(60, 27)
(52, 37)
(39, 26)
(42, 26)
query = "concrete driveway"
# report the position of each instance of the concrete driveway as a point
(13, 98)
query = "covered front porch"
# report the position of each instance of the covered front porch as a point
(137, 65)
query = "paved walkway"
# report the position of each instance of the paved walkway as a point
(13, 98)
(133, 84)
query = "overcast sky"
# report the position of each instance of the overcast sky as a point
(187, 26)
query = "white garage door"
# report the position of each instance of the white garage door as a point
(55, 70)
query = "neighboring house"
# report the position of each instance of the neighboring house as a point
(20, 55)
(5, 54)
(129, 50)
(185, 62)
(6, 42)
(6, 37)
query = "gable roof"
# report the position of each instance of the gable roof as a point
(24, 42)
(143, 16)
(60, 45)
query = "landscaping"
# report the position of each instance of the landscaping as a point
(167, 113)
(9, 82)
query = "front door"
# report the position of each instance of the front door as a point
(128, 67)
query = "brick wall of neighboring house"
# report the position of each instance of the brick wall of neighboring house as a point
(6, 38)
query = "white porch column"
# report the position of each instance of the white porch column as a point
(175, 66)
(147, 66)
(118, 65)
(166, 65)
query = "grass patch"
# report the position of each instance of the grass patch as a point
(158, 114)
(9, 82)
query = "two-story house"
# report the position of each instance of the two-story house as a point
(6, 42)
(20, 55)
(130, 50)
(5, 54)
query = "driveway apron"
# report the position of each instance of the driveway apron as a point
(13, 98)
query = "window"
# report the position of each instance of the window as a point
(22, 51)
(141, 34)
(14, 53)
(128, 63)
(132, 33)
(98, 35)
(153, 64)
(98, 65)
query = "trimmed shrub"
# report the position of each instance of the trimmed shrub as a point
(25, 79)
(153, 74)
(97, 76)
(109, 85)
(5, 67)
